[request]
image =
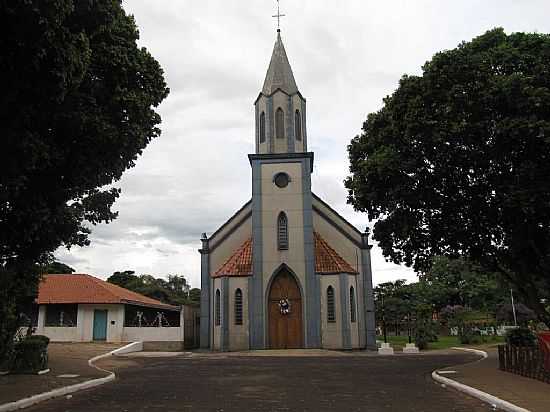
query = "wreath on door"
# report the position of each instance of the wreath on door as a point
(284, 306)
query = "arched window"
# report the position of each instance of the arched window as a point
(238, 307)
(282, 231)
(298, 125)
(262, 127)
(352, 309)
(217, 309)
(280, 124)
(331, 315)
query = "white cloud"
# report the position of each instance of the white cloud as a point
(215, 53)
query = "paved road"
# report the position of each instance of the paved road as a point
(350, 383)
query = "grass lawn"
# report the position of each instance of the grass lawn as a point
(443, 342)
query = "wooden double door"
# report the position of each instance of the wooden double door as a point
(285, 313)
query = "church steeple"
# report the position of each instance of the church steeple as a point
(279, 74)
(280, 108)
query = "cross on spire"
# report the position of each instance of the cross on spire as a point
(278, 15)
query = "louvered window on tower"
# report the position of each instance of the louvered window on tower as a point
(262, 127)
(298, 125)
(280, 123)
(352, 310)
(282, 231)
(331, 316)
(238, 307)
(217, 309)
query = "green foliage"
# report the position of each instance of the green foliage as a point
(77, 109)
(457, 161)
(57, 268)
(461, 282)
(174, 291)
(195, 296)
(30, 355)
(521, 337)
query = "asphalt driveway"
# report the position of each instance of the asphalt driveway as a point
(249, 383)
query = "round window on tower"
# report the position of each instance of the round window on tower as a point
(281, 179)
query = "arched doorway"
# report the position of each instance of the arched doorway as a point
(285, 312)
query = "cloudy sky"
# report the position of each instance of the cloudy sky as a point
(346, 57)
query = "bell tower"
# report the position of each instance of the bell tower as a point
(282, 217)
(280, 108)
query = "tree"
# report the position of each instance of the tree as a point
(460, 282)
(58, 267)
(195, 296)
(457, 162)
(76, 110)
(175, 291)
(123, 279)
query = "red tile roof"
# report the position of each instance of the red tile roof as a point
(239, 264)
(327, 260)
(82, 288)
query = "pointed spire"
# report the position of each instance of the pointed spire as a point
(279, 75)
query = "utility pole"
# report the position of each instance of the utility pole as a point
(513, 307)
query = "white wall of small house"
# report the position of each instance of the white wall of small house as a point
(155, 334)
(115, 321)
(116, 332)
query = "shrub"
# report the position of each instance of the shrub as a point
(424, 334)
(30, 355)
(41, 338)
(521, 337)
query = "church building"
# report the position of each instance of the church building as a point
(286, 270)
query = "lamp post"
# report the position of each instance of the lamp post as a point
(513, 307)
(384, 320)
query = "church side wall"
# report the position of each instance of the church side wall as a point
(235, 236)
(352, 254)
(331, 332)
(238, 334)
(217, 329)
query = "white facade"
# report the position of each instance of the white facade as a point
(115, 329)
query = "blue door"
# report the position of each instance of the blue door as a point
(100, 324)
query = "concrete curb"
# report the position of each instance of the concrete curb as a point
(496, 403)
(65, 390)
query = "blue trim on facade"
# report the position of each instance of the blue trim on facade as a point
(255, 291)
(368, 296)
(257, 117)
(313, 297)
(206, 285)
(304, 128)
(345, 305)
(225, 314)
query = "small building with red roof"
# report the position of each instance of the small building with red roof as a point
(83, 308)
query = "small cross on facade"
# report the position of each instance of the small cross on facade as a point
(279, 15)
